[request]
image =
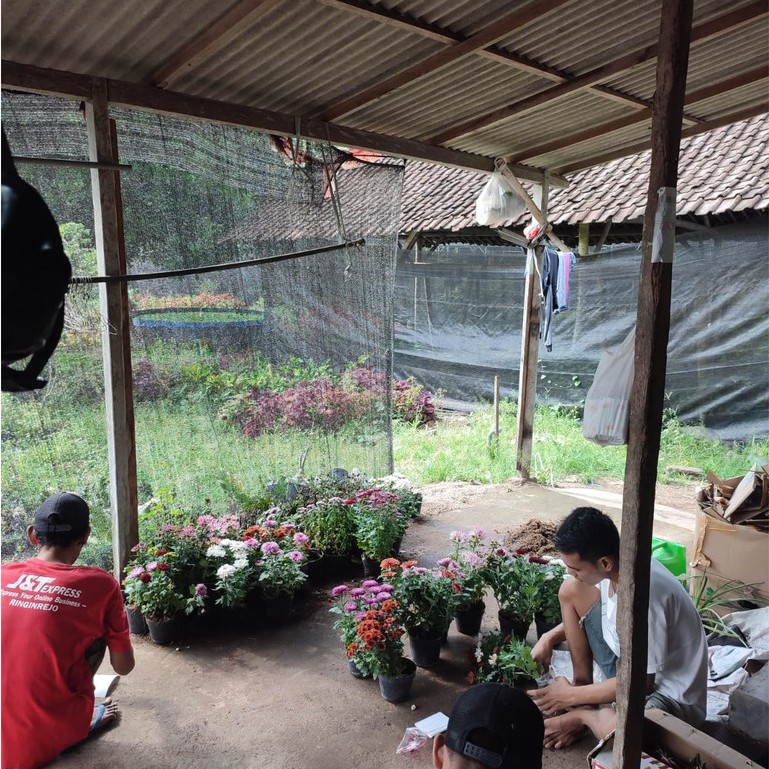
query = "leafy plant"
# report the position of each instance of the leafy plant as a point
(504, 660)
(515, 582)
(467, 564)
(378, 522)
(330, 525)
(427, 598)
(377, 647)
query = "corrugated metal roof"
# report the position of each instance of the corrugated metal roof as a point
(334, 60)
(723, 170)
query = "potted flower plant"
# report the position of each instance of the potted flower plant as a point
(330, 526)
(279, 575)
(379, 526)
(550, 573)
(468, 565)
(352, 604)
(378, 648)
(515, 582)
(427, 599)
(504, 659)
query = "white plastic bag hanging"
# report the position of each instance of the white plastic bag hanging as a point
(607, 405)
(498, 202)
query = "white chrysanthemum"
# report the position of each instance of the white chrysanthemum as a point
(234, 545)
(226, 570)
(493, 660)
(478, 654)
(241, 563)
(216, 551)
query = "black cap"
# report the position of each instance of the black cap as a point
(497, 726)
(62, 513)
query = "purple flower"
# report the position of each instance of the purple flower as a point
(351, 606)
(270, 548)
(136, 571)
(339, 590)
(152, 565)
(251, 542)
(360, 616)
(289, 526)
(270, 523)
(300, 538)
(357, 592)
(296, 556)
(370, 600)
(386, 587)
(204, 520)
(370, 583)
(383, 596)
(201, 589)
(444, 562)
(419, 570)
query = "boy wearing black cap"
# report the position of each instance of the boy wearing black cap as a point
(57, 621)
(493, 726)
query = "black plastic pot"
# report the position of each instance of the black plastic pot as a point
(511, 625)
(469, 618)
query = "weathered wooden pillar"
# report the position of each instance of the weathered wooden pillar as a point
(652, 329)
(583, 248)
(116, 334)
(527, 374)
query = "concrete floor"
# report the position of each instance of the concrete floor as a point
(285, 699)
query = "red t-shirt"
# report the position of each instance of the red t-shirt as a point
(51, 613)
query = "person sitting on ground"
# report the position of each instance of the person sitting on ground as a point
(491, 725)
(677, 651)
(57, 621)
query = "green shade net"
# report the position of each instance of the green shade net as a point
(240, 376)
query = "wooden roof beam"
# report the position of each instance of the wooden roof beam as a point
(490, 34)
(23, 77)
(721, 24)
(746, 78)
(634, 149)
(210, 41)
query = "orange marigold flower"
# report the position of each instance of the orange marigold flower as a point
(389, 605)
(408, 564)
(389, 563)
(388, 574)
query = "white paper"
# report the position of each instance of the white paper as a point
(434, 724)
(104, 684)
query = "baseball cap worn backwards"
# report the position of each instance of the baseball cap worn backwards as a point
(61, 513)
(497, 726)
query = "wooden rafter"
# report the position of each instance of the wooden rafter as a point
(721, 24)
(493, 53)
(210, 41)
(22, 77)
(746, 78)
(485, 37)
(634, 149)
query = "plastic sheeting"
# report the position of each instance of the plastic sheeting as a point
(458, 324)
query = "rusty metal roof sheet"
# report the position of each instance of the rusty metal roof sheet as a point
(366, 70)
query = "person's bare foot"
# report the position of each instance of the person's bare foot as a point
(103, 714)
(564, 730)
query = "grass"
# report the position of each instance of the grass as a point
(459, 448)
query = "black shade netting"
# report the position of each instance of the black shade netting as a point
(240, 376)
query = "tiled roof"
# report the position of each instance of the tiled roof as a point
(726, 169)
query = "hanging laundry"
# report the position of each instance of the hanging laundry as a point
(566, 260)
(549, 294)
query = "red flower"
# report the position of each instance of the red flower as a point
(537, 559)
(163, 566)
(471, 677)
(145, 576)
(161, 551)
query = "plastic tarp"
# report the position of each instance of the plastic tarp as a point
(458, 324)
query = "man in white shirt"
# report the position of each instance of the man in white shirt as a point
(677, 658)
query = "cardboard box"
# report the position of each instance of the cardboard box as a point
(679, 740)
(726, 551)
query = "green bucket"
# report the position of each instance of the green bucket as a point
(671, 555)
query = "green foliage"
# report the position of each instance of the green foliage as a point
(330, 525)
(515, 582)
(503, 660)
(79, 247)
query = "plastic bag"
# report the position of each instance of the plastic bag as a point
(607, 405)
(498, 202)
(413, 739)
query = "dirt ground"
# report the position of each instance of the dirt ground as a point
(284, 699)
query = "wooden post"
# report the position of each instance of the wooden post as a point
(116, 336)
(496, 406)
(527, 375)
(584, 239)
(647, 397)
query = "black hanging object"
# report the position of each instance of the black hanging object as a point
(35, 278)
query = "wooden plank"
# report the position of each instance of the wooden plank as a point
(527, 367)
(647, 397)
(724, 23)
(730, 84)
(490, 34)
(584, 239)
(116, 336)
(210, 41)
(634, 149)
(22, 77)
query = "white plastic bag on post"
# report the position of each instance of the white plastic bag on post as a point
(607, 405)
(498, 202)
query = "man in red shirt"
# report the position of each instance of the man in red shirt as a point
(57, 621)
